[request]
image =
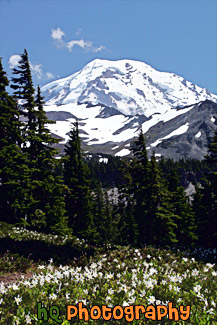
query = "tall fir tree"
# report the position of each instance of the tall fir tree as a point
(128, 226)
(152, 207)
(49, 189)
(139, 186)
(24, 92)
(205, 200)
(46, 207)
(104, 221)
(162, 220)
(100, 214)
(186, 226)
(78, 198)
(13, 169)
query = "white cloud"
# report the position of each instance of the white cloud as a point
(50, 75)
(14, 60)
(57, 34)
(88, 45)
(37, 70)
(81, 43)
(98, 49)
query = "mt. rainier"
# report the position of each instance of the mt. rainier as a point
(112, 99)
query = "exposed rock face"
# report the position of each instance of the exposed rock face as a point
(198, 123)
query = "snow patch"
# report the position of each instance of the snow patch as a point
(116, 147)
(105, 160)
(182, 129)
(123, 152)
(198, 135)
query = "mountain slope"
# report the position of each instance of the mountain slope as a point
(187, 135)
(131, 87)
(112, 99)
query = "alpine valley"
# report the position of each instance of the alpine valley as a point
(112, 100)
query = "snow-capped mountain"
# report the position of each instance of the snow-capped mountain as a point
(131, 87)
(112, 99)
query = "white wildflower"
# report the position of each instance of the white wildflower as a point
(28, 319)
(52, 296)
(151, 300)
(110, 291)
(18, 299)
(195, 272)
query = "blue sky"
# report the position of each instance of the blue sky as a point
(61, 36)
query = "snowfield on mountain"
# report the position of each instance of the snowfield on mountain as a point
(112, 99)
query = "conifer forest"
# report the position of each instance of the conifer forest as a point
(73, 195)
(87, 213)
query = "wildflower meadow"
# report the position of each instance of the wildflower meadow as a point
(123, 276)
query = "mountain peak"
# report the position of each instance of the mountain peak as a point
(112, 99)
(131, 87)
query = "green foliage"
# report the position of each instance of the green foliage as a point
(121, 277)
(186, 227)
(161, 216)
(60, 196)
(106, 171)
(104, 220)
(13, 263)
(24, 90)
(152, 208)
(138, 189)
(13, 172)
(45, 206)
(78, 197)
(127, 225)
(41, 246)
(205, 200)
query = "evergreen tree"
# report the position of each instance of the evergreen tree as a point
(100, 214)
(186, 227)
(13, 171)
(205, 200)
(49, 189)
(139, 186)
(103, 219)
(110, 222)
(161, 219)
(78, 198)
(46, 207)
(127, 225)
(24, 93)
(153, 210)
